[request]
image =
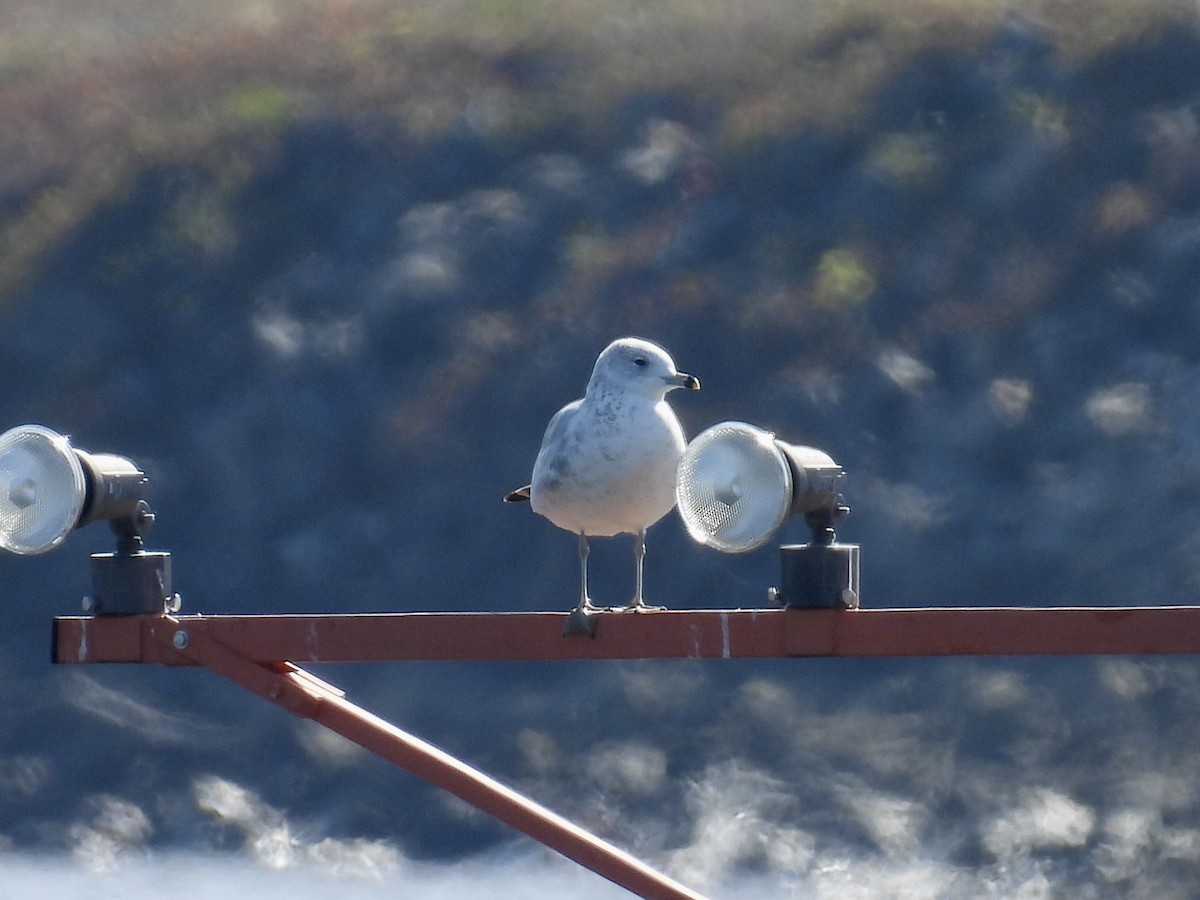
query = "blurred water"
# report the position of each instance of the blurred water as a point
(1040, 843)
(207, 877)
(532, 876)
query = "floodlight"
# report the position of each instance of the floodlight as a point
(49, 488)
(42, 489)
(735, 486)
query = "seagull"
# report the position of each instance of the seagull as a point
(607, 462)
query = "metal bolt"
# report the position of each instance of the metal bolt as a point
(180, 640)
(773, 598)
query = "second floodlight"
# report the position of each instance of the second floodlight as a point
(737, 483)
(735, 486)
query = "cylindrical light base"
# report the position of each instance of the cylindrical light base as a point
(131, 583)
(819, 575)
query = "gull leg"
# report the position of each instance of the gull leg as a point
(584, 600)
(638, 603)
(582, 619)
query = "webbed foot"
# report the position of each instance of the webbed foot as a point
(639, 606)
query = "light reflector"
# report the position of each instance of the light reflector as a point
(42, 489)
(733, 487)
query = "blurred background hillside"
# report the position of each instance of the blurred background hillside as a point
(325, 269)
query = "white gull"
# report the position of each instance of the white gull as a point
(607, 462)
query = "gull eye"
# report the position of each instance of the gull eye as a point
(639, 361)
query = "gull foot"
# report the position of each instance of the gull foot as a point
(640, 607)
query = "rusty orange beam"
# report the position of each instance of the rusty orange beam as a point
(672, 634)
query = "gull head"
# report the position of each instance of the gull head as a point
(639, 366)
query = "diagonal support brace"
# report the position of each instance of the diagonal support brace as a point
(305, 695)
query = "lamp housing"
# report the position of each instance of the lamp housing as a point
(735, 486)
(48, 488)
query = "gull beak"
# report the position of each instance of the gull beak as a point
(683, 380)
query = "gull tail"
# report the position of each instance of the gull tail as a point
(520, 495)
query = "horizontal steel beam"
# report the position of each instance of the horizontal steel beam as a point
(670, 634)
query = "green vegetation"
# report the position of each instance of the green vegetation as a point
(91, 93)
